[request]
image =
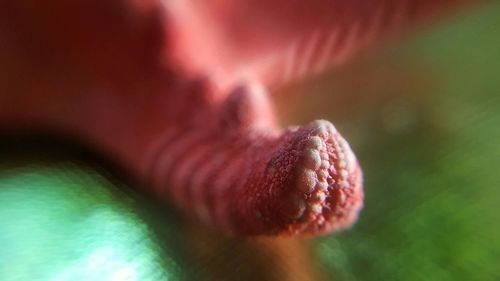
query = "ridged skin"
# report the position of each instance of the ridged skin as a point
(144, 82)
(276, 42)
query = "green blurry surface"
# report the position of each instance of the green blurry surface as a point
(430, 154)
(64, 217)
(61, 221)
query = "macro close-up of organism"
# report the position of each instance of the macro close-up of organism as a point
(193, 140)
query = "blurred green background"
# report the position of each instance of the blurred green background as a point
(423, 115)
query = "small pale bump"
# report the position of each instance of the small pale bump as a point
(307, 181)
(341, 155)
(314, 142)
(317, 123)
(344, 184)
(312, 159)
(325, 164)
(344, 144)
(336, 147)
(320, 131)
(319, 127)
(322, 175)
(342, 164)
(316, 208)
(351, 160)
(318, 197)
(343, 173)
(322, 185)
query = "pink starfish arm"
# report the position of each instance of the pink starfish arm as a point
(237, 171)
(275, 42)
(105, 72)
(98, 77)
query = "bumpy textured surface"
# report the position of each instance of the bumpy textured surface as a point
(124, 76)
